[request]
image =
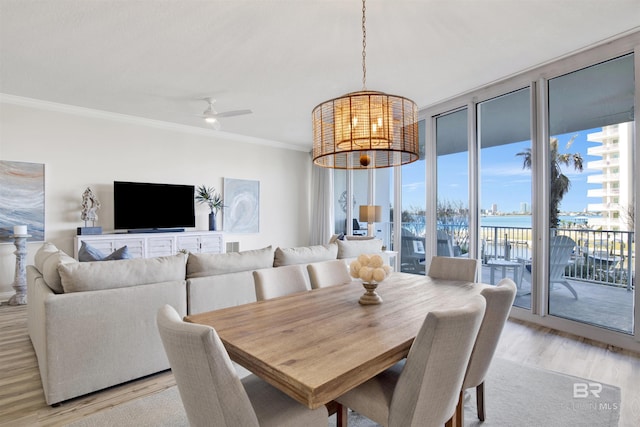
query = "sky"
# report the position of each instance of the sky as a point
(503, 179)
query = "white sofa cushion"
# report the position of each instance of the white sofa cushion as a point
(305, 254)
(50, 272)
(45, 251)
(99, 275)
(202, 265)
(353, 248)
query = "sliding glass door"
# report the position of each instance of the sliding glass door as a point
(591, 194)
(504, 138)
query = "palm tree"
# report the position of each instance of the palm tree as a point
(560, 184)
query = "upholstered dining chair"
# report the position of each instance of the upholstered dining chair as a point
(279, 281)
(328, 273)
(453, 268)
(424, 388)
(499, 300)
(210, 389)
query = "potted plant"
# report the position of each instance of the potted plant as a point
(208, 196)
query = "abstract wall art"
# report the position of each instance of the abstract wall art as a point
(21, 199)
(241, 206)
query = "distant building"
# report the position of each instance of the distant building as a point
(615, 180)
(524, 208)
(494, 208)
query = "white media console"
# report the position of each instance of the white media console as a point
(147, 245)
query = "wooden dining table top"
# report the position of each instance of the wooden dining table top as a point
(319, 344)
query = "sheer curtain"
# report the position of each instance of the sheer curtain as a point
(321, 205)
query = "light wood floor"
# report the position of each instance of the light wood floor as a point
(22, 400)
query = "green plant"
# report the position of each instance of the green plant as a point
(208, 196)
(560, 184)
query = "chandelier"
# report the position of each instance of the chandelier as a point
(365, 129)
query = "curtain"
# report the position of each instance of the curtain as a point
(321, 205)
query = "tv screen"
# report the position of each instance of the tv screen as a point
(141, 205)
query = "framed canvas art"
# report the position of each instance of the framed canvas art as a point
(241, 206)
(21, 199)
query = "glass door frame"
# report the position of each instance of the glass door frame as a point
(537, 80)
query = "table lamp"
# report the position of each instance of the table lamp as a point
(370, 214)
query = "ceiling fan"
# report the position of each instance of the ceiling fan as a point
(211, 116)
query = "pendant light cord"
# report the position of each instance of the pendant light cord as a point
(364, 47)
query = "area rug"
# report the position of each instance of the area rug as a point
(515, 395)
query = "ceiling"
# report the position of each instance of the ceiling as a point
(158, 59)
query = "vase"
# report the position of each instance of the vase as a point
(370, 297)
(212, 221)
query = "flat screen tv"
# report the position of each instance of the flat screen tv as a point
(142, 206)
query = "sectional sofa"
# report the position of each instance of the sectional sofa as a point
(92, 324)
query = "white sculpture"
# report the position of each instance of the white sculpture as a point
(90, 206)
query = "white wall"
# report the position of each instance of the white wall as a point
(81, 149)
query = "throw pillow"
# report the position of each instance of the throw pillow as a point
(50, 272)
(304, 254)
(353, 248)
(45, 251)
(94, 276)
(88, 253)
(122, 253)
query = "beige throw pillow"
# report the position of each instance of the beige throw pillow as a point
(305, 254)
(99, 275)
(203, 265)
(354, 248)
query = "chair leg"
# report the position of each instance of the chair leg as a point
(342, 416)
(480, 401)
(457, 419)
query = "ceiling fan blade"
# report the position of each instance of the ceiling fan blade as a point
(233, 113)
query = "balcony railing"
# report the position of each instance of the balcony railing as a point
(605, 257)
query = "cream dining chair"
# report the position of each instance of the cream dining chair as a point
(499, 300)
(328, 273)
(210, 389)
(279, 281)
(453, 268)
(424, 388)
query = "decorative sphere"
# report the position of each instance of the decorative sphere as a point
(366, 274)
(379, 274)
(364, 160)
(376, 261)
(355, 269)
(363, 259)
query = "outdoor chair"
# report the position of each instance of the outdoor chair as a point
(560, 250)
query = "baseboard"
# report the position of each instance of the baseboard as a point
(4, 296)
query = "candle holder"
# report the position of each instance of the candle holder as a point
(20, 282)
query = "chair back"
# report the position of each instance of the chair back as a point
(453, 268)
(209, 387)
(328, 273)
(280, 281)
(428, 387)
(560, 250)
(445, 248)
(499, 300)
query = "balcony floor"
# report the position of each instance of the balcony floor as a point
(597, 304)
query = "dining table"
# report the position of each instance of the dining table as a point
(316, 345)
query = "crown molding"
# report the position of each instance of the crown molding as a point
(157, 124)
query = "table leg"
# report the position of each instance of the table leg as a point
(342, 417)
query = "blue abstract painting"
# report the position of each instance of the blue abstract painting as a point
(241, 206)
(21, 199)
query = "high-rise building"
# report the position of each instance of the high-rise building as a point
(615, 180)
